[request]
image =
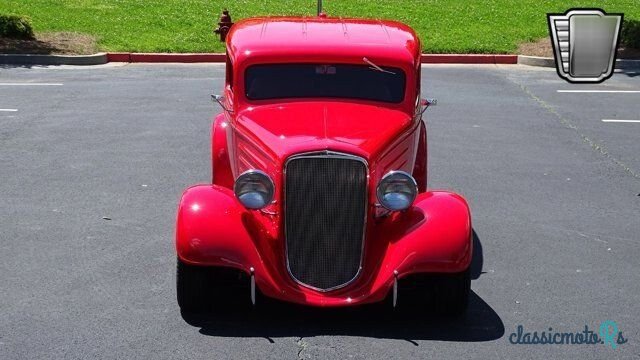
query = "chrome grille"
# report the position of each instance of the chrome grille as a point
(325, 209)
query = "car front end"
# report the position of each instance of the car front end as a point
(319, 176)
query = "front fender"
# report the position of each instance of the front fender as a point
(214, 229)
(209, 229)
(220, 164)
(433, 236)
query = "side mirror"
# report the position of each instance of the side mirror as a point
(429, 102)
(425, 103)
(220, 99)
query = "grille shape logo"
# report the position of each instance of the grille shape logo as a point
(584, 44)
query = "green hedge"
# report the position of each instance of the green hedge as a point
(15, 26)
(631, 33)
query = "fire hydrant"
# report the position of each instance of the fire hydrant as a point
(224, 25)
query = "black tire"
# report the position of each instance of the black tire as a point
(211, 289)
(453, 291)
(447, 294)
(192, 290)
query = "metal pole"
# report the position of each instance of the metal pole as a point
(319, 7)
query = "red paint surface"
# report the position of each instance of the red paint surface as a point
(506, 59)
(433, 236)
(469, 59)
(119, 57)
(214, 229)
(177, 58)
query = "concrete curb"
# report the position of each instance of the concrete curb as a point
(622, 64)
(166, 58)
(536, 61)
(103, 58)
(219, 57)
(469, 59)
(29, 59)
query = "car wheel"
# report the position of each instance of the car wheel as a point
(211, 289)
(446, 294)
(452, 293)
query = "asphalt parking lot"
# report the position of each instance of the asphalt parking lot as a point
(93, 161)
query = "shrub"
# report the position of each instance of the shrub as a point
(630, 36)
(15, 26)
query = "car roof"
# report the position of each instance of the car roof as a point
(306, 39)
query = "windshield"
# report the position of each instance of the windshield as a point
(364, 82)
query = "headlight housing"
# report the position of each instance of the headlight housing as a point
(254, 189)
(397, 190)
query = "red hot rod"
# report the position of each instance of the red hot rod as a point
(319, 193)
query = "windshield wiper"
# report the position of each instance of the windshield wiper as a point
(376, 67)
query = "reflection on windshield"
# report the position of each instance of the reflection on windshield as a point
(278, 81)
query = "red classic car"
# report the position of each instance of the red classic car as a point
(319, 193)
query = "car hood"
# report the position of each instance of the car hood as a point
(288, 128)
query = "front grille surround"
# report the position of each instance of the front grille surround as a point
(330, 155)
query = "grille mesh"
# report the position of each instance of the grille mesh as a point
(324, 219)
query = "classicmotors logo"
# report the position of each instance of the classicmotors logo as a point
(608, 334)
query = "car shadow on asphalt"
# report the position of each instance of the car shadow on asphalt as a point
(274, 320)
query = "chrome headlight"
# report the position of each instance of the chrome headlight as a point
(397, 190)
(254, 189)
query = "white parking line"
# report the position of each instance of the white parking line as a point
(31, 84)
(620, 121)
(601, 91)
(10, 110)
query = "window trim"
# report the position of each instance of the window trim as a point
(379, 101)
